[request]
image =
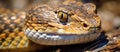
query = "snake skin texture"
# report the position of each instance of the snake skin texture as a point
(69, 23)
(45, 25)
(11, 29)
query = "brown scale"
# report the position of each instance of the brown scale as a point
(11, 26)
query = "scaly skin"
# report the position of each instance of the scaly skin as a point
(68, 23)
(44, 25)
(11, 26)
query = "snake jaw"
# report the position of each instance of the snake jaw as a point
(55, 39)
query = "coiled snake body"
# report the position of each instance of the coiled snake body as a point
(68, 23)
(11, 26)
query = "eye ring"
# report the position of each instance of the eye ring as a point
(63, 17)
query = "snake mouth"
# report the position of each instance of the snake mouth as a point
(90, 31)
(60, 39)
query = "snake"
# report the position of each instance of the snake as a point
(64, 24)
(11, 25)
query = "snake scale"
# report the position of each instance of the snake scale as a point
(68, 23)
(11, 29)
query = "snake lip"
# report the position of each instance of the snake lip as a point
(93, 30)
(60, 39)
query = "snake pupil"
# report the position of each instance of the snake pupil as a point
(63, 17)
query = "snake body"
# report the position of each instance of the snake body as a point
(68, 23)
(11, 26)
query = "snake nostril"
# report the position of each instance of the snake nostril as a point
(85, 25)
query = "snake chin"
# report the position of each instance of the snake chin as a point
(39, 35)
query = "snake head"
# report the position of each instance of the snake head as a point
(68, 23)
(65, 19)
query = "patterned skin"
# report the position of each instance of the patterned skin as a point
(64, 24)
(11, 29)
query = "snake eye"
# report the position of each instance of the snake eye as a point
(63, 17)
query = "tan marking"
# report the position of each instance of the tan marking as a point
(16, 30)
(21, 34)
(36, 28)
(3, 35)
(5, 44)
(8, 21)
(14, 43)
(22, 42)
(8, 39)
(12, 26)
(34, 25)
(56, 25)
(17, 21)
(2, 26)
(12, 35)
(30, 27)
